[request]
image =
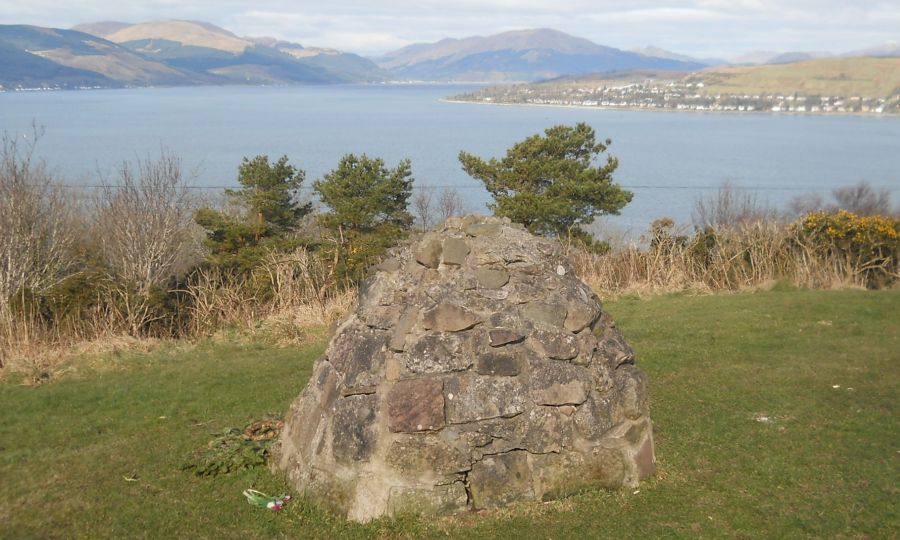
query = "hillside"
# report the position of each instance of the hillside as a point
(865, 77)
(188, 33)
(32, 56)
(658, 52)
(23, 69)
(890, 49)
(521, 55)
(825, 86)
(206, 48)
(167, 53)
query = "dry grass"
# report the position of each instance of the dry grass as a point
(289, 296)
(868, 77)
(754, 255)
(40, 353)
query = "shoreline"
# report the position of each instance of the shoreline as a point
(680, 111)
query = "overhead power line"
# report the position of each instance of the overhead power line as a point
(460, 187)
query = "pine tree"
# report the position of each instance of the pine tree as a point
(269, 212)
(550, 183)
(368, 207)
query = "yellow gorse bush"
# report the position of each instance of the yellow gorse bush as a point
(870, 244)
(866, 231)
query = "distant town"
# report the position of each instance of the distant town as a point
(683, 95)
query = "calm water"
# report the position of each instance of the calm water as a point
(667, 159)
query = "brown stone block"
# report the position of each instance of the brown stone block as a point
(501, 336)
(449, 318)
(416, 405)
(425, 454)
(492, 363)
(403, 326)
(632, 386)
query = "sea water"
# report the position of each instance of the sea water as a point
(667, 159)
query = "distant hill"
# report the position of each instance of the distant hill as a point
(33, 56)
(796, 56)
(657, 52)
(885, 50)
(754, 57)
(26, 70)
(206, 48)
(187, 33)
(860, 76)
(346, 66)
(167, 53)
(521, 55)
(824, 86)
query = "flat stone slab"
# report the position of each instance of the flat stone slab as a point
(558, 383)
(491, 278)
(471, 398)
(440, 352)
(416, 405)
(558, 345)
(449, 318)
(441, 499)
(455, 251)
(541, 312)
(499, 364)
(424, 453)
(499, 337)
(354, 428)
(483, 229)
(429, 254)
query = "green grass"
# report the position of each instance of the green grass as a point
(825, 465)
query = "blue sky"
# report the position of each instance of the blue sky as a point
(699, 27)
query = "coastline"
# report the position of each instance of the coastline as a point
(680, 111)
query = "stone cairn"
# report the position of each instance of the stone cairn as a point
(476, 371)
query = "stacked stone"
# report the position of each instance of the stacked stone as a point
(477, 370)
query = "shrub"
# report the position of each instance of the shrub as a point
(869, 244)
(268, 212)
(36, 233)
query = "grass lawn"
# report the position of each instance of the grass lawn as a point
(775, 416)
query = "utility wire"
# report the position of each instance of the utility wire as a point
(451, 186)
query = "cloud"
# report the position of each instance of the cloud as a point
(691, 26)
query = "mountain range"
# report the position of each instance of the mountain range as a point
(176, 52)
(520, 55)
(114, 54)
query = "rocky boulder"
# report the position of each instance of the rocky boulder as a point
(476, 371)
